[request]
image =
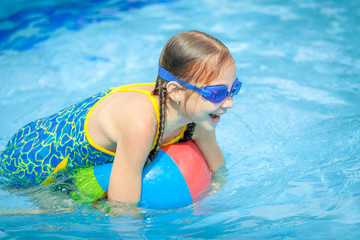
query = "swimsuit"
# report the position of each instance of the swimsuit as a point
(43, 147)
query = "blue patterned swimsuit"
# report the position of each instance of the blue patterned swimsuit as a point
(38, 148)
(43, 147)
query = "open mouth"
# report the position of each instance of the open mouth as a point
(214, 117)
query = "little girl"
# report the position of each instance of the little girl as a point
(127, 125)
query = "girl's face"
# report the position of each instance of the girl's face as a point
(206, 113)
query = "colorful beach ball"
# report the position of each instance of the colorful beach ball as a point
(178, 176)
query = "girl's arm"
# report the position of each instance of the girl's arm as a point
(133, 147)
(206, 141)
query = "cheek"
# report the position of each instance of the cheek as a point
(199, 107)
(191, 108)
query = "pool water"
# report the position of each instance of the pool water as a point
(292, 139)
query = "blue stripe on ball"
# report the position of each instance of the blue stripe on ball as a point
(163, 184)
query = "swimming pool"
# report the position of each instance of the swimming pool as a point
(291, 141)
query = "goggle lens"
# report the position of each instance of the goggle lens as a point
(220, 92)
(220, 95)
(235, 88)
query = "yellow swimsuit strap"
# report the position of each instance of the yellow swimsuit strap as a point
(129, 88)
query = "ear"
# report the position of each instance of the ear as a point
(174, 91)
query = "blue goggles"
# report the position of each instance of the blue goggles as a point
(215, 93)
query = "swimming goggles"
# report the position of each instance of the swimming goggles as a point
(214, 93)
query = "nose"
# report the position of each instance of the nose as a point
(227, 103)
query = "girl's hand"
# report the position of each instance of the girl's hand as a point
(219, 179)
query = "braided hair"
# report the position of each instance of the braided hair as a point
(160, 89)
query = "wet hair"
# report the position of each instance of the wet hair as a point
(194, 57)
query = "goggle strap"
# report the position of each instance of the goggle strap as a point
(166, 75)
(171, 78)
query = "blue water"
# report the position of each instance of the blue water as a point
(292, 140)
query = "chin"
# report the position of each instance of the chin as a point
(210, 127)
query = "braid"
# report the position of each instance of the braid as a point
(189, 132)
(162, 92)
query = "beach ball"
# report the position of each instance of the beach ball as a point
(178, 176)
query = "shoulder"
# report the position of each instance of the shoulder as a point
(207, 143)
(134, 116)
(204, 139)
(135, 106)
(201, 134)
